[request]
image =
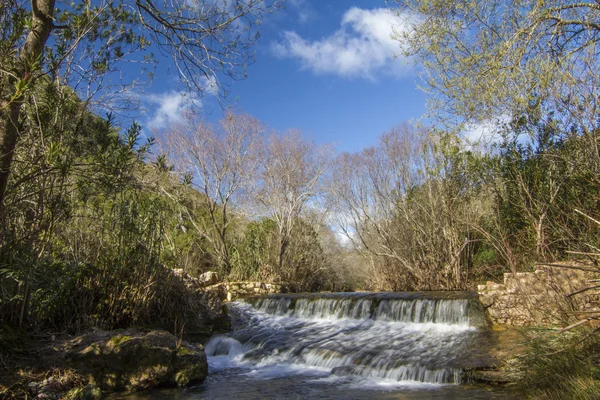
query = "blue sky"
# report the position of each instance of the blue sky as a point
(324, 67)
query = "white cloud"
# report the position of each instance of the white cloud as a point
(211, 86)
(303, 10)
(362, 47)
(485, 133)
(166, 108)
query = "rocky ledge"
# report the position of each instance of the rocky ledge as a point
(125, 360)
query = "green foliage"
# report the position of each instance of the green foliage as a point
(559, 367)
(12, 339)
(538, 179)
(486, 256)
(255, 253)
(485, 59)
(84, 239)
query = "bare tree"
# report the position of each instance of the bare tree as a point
(219, 161)
(397, 207)
(289, 179)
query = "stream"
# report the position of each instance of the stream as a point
(347, 346)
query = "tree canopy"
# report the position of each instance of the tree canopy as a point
(83, 43)
(488, 59)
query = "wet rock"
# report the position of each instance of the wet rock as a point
(346, 370)
(256, 354)
(134, 360)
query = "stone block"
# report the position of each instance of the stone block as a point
(487, 300)
(492, 286)
(208, 278)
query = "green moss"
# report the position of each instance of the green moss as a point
(182, 378)
(117, 340)
(90, 392)
(184, 351)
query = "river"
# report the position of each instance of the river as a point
(347, 346)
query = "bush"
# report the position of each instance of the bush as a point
(558, 367)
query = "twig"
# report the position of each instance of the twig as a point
(585, 312)
(583, 253)
(587, 216)
(583, 290)
(575, 325)
(568, 267)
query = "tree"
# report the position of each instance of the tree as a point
(80, 43)
(288, 180)
(219, 161)
(403, 205)
(490, 59)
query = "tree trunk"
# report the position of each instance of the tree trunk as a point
(42, 12)
(283, 244)
(9, 133)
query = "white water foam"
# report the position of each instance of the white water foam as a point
(382, 343)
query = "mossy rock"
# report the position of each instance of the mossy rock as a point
(135, 360)
(89, 392)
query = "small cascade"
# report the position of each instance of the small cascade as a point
(387, 337)
(424, 311)
(315, 308)
(416, 310)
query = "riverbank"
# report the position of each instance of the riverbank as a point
(94, 364)
(507, 360)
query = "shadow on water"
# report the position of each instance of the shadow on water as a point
(293, 388)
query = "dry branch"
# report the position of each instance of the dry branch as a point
(568, 267)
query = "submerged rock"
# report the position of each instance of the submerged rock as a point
(134, 360)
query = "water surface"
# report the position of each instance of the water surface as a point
(347, 346)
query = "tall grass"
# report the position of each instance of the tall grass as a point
(559, 367)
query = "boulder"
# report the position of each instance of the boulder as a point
(208, 278)
(134, 360)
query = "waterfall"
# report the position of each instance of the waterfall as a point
(454, 311)
(427, 338)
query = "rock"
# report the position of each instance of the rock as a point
(89, 392)
(347, 370)
(208, 278)
(486, 300)
(134, 360)
(492, 286)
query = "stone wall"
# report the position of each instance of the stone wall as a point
(544, 298)
(208, 283)
(231, 291)
(236, 290)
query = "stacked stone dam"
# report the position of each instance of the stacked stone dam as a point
(540, 298)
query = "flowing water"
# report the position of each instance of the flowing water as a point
(347, 346)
